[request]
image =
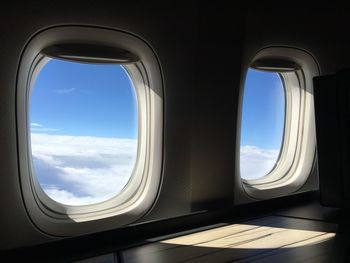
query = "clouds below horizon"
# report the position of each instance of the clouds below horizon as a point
(80, 170)
(256, 162)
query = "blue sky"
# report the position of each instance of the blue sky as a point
(78, 99)
(263, 110)
(94, 107)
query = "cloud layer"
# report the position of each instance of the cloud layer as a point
(256, 162)
(79, 170)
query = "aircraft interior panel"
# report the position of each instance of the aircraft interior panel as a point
(161, 120)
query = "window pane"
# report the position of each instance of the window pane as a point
(84, 130)
(262, 123)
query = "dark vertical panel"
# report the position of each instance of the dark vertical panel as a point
(328, 139)
(332, 109)
(176, 47)
(215, 107)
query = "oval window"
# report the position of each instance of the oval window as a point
(84, 131)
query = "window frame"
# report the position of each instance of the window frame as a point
(138, 195)
(298, 150)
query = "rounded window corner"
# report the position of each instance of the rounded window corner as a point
(94, 46)
(296, 156)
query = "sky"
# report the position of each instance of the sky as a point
(262, 123)
(79, 99)
(83, 121)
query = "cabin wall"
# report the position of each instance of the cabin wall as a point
(202, 50)
(171, 30)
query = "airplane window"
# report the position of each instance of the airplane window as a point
(84, 131)
(263, 118)
(90, 129)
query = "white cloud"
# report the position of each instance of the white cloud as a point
(80, 169)
(42, 129)
(33, 124)
(64, 91)
(39, 128)
(66, 197)
(256, 162)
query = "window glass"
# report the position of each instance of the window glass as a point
(262, 129)
(84, 130)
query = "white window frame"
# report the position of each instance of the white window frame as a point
(139, 194)
(298, 149)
